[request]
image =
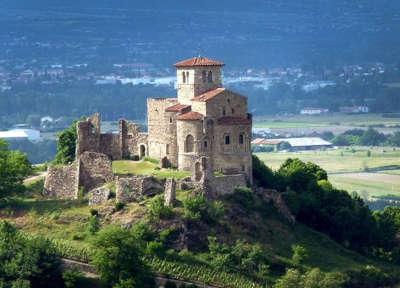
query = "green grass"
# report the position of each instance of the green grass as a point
(382, 161)
(368, 186)
(147, 168)
(337, 119)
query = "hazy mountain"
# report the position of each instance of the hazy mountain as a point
(242, 33)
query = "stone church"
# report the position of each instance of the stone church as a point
(204, 120)
(206, 129)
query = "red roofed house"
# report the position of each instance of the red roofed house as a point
(204, 123)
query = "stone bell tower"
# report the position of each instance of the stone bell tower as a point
(196, 76)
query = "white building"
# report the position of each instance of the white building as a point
(354, 109)
(21, 134)
(313, 111)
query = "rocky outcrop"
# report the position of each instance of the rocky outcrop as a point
(99, 195)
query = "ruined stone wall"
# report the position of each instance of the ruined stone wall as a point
(223, 185)
(95, 169)
(130, 139)
(88, 135)
(162, 130)
(124, 145)
(110, 145)
(135, 188)
(62, 182)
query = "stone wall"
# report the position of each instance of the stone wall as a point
(223, 185)
(162, 141)
(99, 195)
(134, 188)
(62, 182)
(110, 146)
(124, 145)
(95, 169)
(170, 192)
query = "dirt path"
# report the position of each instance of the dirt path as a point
(35, 177)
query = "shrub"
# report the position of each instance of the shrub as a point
(158, 210)
(198, 208)
(93, 225)
(119, 206)
(313, 278)
(299, 254)
(71, 278)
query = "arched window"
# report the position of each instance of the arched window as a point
(209, 77)
(227, 140)
(223, 111)
(205, 144)
(189, 144)
(204, 76)
(183, 77)
(167, 149)
(241, 139)
(187, 76)
(233, 111)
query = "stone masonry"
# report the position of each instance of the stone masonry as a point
(135, 188)
(170, 192)
(95, 169)
(62, 182)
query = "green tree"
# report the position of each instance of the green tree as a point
(27, 262)
(118, 258)
(14, 167)
(299, 254)
(66, 145)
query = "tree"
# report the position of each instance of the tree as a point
(27, 262)
(118, 258)
(66, 145)
(263, 175)
(313, 278)
(14, 167)
(371, 137)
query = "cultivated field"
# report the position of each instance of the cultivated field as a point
(351, 168)
(336, 123)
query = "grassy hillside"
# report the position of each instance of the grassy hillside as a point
(67, 222)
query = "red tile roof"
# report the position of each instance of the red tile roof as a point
(198, 61)
(190, 116)
(177, 108)
(209, 95)
(233, 120)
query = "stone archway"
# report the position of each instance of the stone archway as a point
(142, 151)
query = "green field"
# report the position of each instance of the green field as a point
(331, 120)
(351, 168)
